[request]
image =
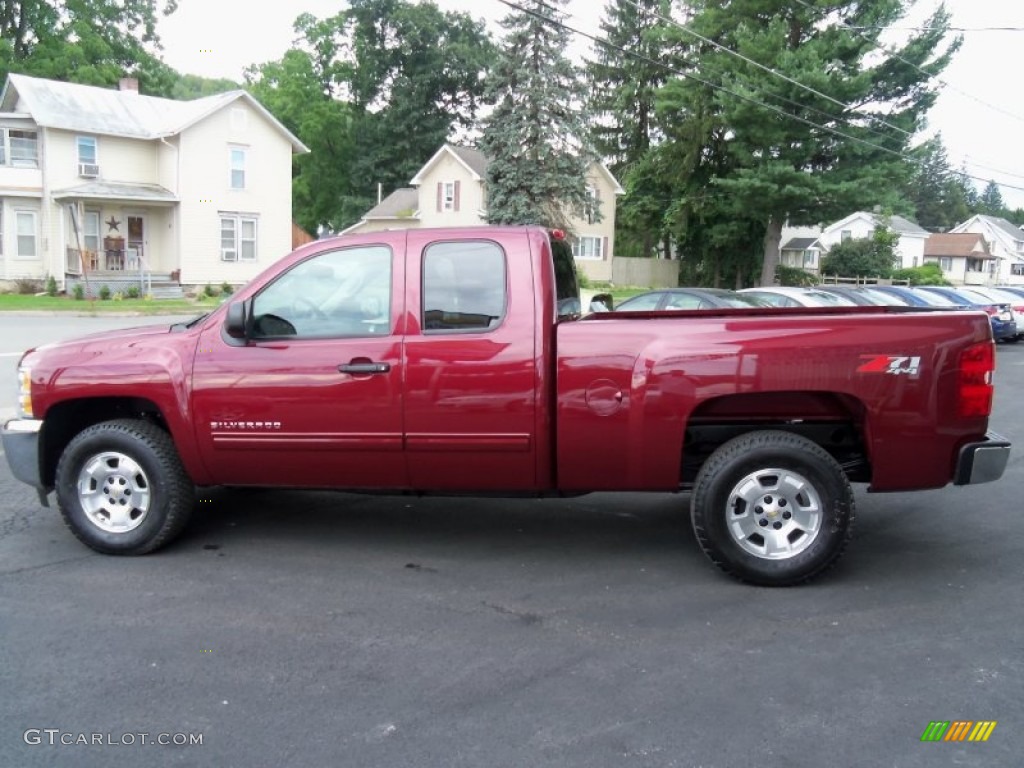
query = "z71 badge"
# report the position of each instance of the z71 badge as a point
(891, 364)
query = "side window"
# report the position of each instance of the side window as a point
(685, 301)
(339, 293)
(463, 286)
(647, 302)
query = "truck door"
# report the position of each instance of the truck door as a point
(313, 396)
(471, 366)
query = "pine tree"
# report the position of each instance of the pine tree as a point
(936, 189)
(790, 154)
(991, 201)
(536, 137)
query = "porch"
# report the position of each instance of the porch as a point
(120, 270)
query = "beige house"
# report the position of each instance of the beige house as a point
(451, 191)
(126, 189)
(964, 258)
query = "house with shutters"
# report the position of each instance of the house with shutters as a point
(450, 190)
(109, 186)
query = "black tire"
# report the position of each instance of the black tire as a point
(112, 460)
(734, 503)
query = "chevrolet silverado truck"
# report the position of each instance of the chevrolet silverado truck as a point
(457, 362)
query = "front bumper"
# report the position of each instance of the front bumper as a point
(21, 447)
(982, 462)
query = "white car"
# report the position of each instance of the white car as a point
(784, 296)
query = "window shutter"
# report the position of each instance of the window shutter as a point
(457, 185)
(440, 196)
(604, 249)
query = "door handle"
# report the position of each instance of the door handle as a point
(364, 368)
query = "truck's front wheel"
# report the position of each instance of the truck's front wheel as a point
(121, 487)
(772, 508)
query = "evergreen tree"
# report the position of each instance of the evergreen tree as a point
(789, 154)
(536, 138)
(991, 201)
(936, 190)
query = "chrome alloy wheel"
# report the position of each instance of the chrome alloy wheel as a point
(114, 492)
(774, 514)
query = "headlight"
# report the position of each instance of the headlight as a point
(25, 393)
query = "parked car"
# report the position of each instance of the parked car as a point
(1000, 314)
(688, 298)
(914, 297)
(865, 295)
(1016, 303)
(785, 296)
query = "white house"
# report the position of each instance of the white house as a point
(1005, 243)
(964, 258)
(122, 186)
(450, 190)
(909, 247)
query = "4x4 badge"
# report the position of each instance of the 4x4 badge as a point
(891, 364)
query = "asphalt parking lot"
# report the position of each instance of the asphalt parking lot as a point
(317, 629)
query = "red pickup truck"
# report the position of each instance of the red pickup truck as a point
(456, 361)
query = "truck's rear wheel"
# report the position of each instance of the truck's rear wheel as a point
(121, 487)
(772, 508)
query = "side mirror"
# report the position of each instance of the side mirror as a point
(602, 302)
(236, 324)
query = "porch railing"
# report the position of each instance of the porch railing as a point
(130, 261)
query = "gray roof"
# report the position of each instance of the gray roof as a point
(800, 243)
(1002, 224)
(472, 157)
(111, 112)
(906, 226)
(402, 203)
(107, 190)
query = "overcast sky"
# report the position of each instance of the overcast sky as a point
(980, 113)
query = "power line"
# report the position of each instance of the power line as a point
(686, 75)
(763, 67)
(930, 75)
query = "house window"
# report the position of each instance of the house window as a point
(237, 159)
(809, 259)
(591, 209)
(587, 247)
(846, 234)
(91, 231)
(946, 263)
(1017, 270)
(448, 202)
(25, 223)
(86, 150)
(19, 149)
(237, 238)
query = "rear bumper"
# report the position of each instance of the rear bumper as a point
(21, 447)
(982, 462)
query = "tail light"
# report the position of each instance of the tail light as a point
(992, 310)
(977, 364)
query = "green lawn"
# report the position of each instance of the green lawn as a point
(16, 302)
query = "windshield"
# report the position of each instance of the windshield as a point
(937, 299)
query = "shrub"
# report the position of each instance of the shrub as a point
(927, 274)
(793, 276)
(28, 287)
(226, 288)
(51, 286)
(133, 292)
(209, 291)
(104, 293)
(118, 296)
(78, 292)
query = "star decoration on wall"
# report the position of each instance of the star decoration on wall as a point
(113, 224)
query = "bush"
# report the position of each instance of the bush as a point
(873, 256)
(28, 287)
(209, 291)
(51, 286)
(133, 292)
(226, 288)
(118, 296)
(794, 276)
(927, 274)
(78, 292)
(104, 293)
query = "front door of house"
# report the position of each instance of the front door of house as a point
(135, 248)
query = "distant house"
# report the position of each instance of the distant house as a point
(909, 247)
(1005, 243)
(450, 190)
(963, 257)
(803, 253)
(124, 186)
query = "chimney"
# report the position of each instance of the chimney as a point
(128, 85)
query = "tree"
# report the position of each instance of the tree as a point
(95, 42)
(374, 91)
(536, 138)
(873, 256)
(791, 154)
(991, 201)
(622, 103)
(937, 191)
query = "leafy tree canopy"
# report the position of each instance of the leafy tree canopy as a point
(873, 256)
